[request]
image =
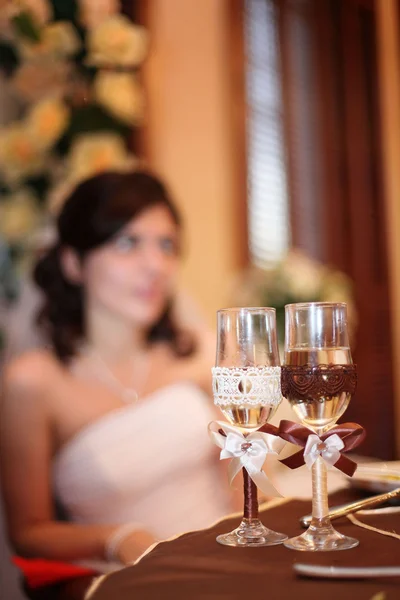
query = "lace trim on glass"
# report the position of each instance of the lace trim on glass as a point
(257, 386)
(308, 382)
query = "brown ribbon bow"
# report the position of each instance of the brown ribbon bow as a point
(351, 435)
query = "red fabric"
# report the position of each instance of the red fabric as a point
(39, 572)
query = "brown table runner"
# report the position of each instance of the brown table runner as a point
(194, 566)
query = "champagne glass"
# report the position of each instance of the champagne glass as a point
(318, 379)
(246, 385)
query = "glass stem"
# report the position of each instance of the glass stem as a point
(320, 507)
(250, 509)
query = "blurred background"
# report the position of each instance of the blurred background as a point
(276, 124)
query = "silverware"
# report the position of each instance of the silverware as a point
(345, 509)
(306, 570)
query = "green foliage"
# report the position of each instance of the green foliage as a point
(297, 278)
(40, 186)
(9, 59)
(26, 26)
(65, 10)
(8, 278)
(89, 119)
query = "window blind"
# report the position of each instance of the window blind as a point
(268, 211)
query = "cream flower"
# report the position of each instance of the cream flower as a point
(90, 155)
(20, 155)
(96, 152)
(47, 120)
(59, 39)
(34, 80)
(337, 288)
(7, 11)
(117, 41)
(19, 216)
(303, 275)
(91, 14)
(58, 194)
(121, 95)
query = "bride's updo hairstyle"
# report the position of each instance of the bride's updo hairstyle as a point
(96, 210)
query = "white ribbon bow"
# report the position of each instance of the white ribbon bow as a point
(329, 449)
(247, 452)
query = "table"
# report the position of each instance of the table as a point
(193, 566)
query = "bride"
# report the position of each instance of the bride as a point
(108, 426)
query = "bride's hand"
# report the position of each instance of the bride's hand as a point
(133, 546)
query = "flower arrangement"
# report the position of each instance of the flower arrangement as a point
(70, 69)
(296, 278)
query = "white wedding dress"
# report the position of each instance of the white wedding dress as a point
(150, 462)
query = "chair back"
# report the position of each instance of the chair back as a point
(10, 578)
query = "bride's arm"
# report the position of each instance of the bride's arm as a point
(26, 449)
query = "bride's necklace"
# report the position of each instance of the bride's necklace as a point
(105, 374)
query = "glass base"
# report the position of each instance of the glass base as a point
(251, 534)
(321, 539)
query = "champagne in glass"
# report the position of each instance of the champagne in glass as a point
(246, 385)
(318, 380)
(324, 411)
(248, 418)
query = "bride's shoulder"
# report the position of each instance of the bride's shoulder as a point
(31, 371)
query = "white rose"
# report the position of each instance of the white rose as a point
(39, 10)
(91, 14)
(47, 120)
(121, 95)
(19, 216)
(96, 152)
(58, 40)
(20, 154)
(117, 41)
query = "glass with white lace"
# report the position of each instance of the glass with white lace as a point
(246, 386)
(318, 379)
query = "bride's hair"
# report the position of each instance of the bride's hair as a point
(96, 210)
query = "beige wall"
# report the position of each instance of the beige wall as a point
(188, 135)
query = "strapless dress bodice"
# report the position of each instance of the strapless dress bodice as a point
(149, 462)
